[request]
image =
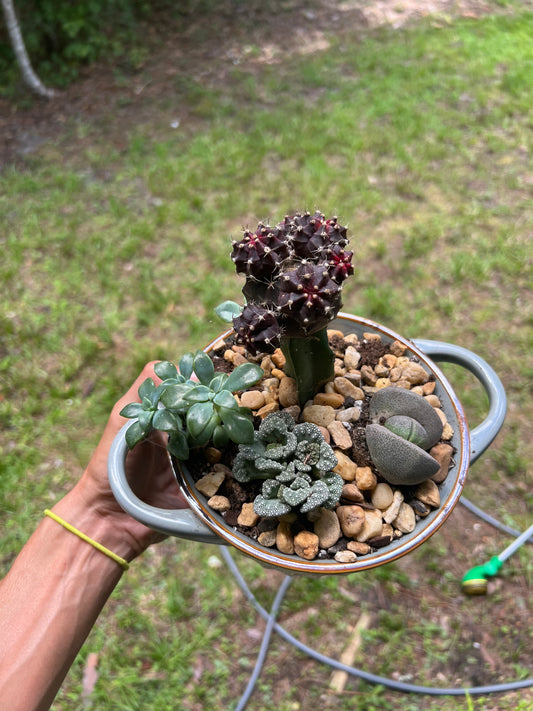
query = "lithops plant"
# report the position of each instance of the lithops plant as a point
(296, 464)
(294, 274)
(403, 427)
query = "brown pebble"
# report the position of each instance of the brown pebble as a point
(340, 435)
(267, 538)
(321, 415)
(334, 400)
(210, 483)
(351, 519)
(371, 527)
(253, 399)
(278, 358)
(219, 503)
(306, 545)
(365, 478)
(345, 556)
(284, 538)
(352, 493)
(443, 454)
(428, 493)
(345, 466)
(358, 548)
(247, 516)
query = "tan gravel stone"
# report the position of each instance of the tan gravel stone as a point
(254, 399)
(340, 435)
(382, 383)
(368, 375)
(267, 538)
(219, 503)
(382, 496)
(433, 400)
(278, 358)
(321, 415)
(348, 414)
(247, 516)
(397, 348)
(267, 409)
(345, 557)
(365, 478)
(428, 493)
(348, 389)
(415, 373)
(345, 466)
(352, 358)
(429, 387)
(334, 400)
(306, 545)
(210, 483)
(351, 519)
(352, 493)
(443, 454)
(277, 373)
(405, 521)
(284, 538)
(371, 527)
(358, 548)
(288, 392)
(390, 514)
(327, 528)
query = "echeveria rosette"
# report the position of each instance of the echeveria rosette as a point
(295, 463)
(193, 412)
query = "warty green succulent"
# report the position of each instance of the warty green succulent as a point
(296, 464)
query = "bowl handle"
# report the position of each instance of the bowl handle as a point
(182, 523)
(481, 436)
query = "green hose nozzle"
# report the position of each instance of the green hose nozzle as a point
(475, 581)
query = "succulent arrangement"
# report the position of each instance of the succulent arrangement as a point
(193, 412)
(296, 464)
(294, 273)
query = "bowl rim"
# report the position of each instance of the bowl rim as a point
(293, 564)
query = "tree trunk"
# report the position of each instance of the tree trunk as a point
(17, 42)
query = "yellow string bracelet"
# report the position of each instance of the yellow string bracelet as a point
(123, 563)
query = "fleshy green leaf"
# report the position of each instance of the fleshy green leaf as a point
(145, 420)
(228, 310)
(165, 421)
(177, 445)
(166, 370)
(240, 428)
(204, 368)
(147, 388)
(225, 399)
(199, 393)
(220, 436)
(218, 382)
(134, 435)
(131, 410)
(185, 365)
(198, 419)
(243, 377)
(172, 396)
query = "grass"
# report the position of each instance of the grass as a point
(418, 139)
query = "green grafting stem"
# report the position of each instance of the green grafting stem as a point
(309, 360)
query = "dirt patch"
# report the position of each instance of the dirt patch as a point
(114, 99)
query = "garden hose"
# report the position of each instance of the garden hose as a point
(270, 617)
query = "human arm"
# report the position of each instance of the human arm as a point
(59, 583)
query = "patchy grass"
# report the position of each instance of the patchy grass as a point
(418, 139)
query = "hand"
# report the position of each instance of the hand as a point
(148, 470)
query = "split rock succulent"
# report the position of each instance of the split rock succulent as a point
(403, 427)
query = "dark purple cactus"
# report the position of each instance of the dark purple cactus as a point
(259, 254)
(308, 299)
(294, 274)
(257, 329)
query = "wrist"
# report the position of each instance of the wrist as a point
(101, 521)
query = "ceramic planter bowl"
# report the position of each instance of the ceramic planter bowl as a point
(200, 523)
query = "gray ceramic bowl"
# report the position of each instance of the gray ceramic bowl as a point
(200, 523)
